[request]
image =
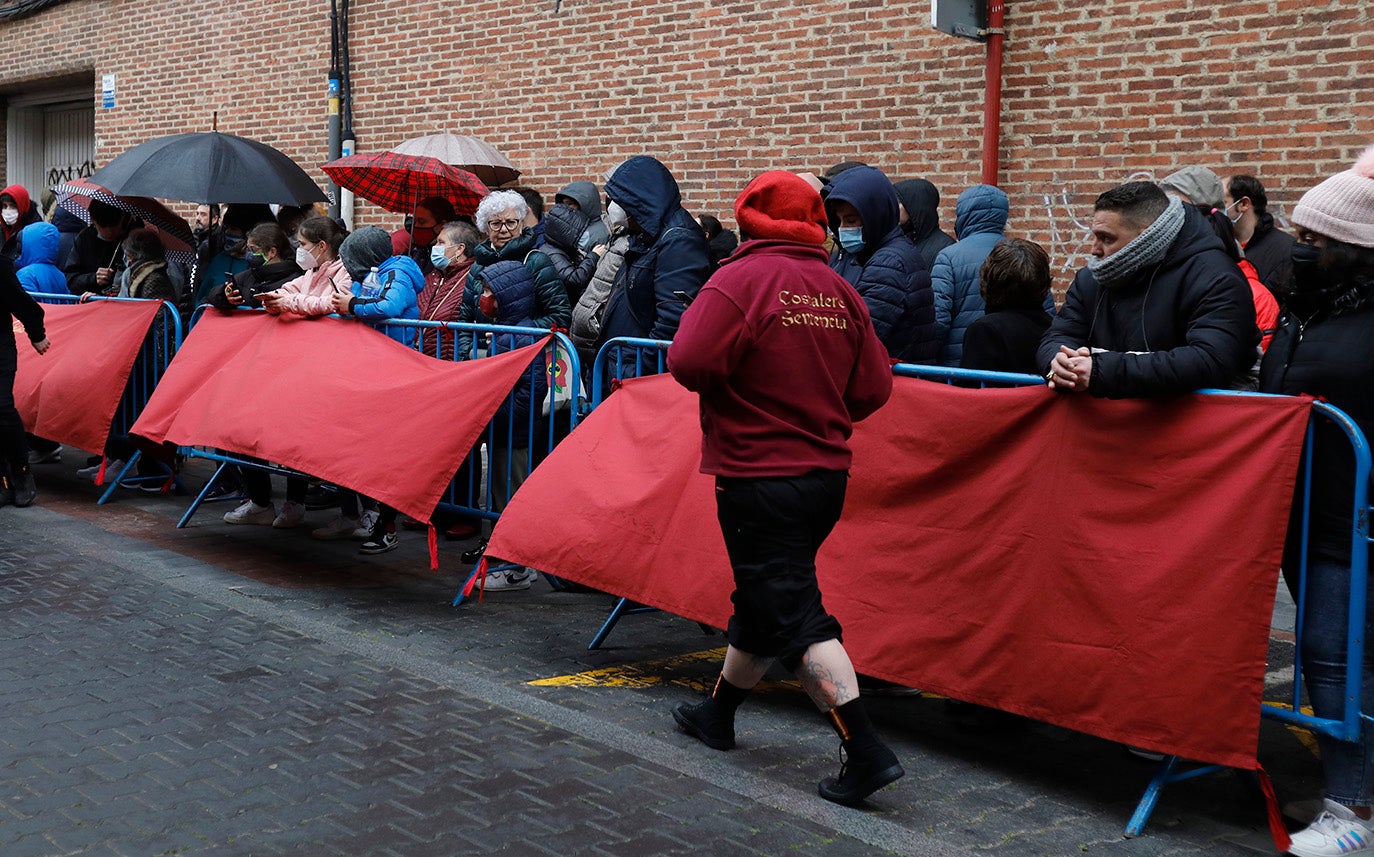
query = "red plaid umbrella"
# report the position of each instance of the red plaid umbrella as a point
(397, 181)
(75, 196)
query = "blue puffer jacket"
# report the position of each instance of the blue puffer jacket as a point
(888, 272)
(512, 285)
(398, 297)
(667, 257)
(980, 219)
(38, 271)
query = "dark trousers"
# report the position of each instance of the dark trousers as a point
(773, 528)
(259, 485)
(14, 454)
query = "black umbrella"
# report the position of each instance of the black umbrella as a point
(209, 167)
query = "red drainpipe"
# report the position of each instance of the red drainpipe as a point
(992, 99)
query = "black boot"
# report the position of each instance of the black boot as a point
(866, 763)
(24, 488)
(6, 491)
(712, 721)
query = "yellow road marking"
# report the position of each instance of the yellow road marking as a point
(680, 670)
(1304, 736)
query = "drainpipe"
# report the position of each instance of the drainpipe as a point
(992, 98)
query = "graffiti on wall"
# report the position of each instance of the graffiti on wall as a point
(1069, 225)
(57, 175)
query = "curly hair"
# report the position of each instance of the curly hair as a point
(498, 201)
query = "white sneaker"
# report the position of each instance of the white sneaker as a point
(367, 521)
(1336, 832)
(292, 516)
(509, 580)
(341, 527)
(251, 513)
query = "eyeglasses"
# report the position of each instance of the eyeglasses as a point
(502, 225)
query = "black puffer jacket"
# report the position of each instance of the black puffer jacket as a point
(563, 229)
(667, 258)
(1181, 325)
(1327, 356)
(889, 273)
(1270, 250)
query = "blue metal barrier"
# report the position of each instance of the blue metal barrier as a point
(159, 347)
(1347, 726)
(547, 421)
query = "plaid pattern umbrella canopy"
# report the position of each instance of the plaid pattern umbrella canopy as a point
(467, 153)
(397, 181)
(75, 196)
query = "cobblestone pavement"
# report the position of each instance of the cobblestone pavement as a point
(243, 691)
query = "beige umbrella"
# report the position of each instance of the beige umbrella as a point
(468, 153)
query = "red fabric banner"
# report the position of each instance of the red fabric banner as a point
(70, 394)
(1108, 566)
(332, 398)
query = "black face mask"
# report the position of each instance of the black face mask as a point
(1307, 272)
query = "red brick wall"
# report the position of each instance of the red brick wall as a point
(721, 91)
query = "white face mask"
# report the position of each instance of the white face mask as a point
(616, 216)
(305, 259)
(10, 216)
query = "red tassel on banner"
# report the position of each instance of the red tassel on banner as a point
(433, 549)
(1271, 807)
(100, 474)
(479, 572)
(482, 576)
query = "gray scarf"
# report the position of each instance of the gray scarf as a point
(1146, 249)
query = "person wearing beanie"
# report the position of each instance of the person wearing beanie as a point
(1197, 185)
(881, 263)
(1322, 348)
(1161, 310)
(780, 456)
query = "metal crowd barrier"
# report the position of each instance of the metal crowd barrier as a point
(549, 418)
(1347, 726)
(159, 347)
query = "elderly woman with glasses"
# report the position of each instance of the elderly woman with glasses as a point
(500, 217)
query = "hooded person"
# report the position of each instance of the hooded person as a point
(39, 245)
(1197, 185)
(584, 196)
(780, 456)
(384, 286)
(666, 261)
(1160, 310)
(980, 222)
(17, 210)
(880, 262)
(564, 227)
(921, 217)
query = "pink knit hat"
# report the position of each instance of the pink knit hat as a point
(1342, 207)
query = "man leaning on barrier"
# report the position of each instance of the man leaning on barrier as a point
(1160, 310)
(783, 354)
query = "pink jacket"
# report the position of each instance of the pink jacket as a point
(312, 293)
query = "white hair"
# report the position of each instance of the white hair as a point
(496, 202)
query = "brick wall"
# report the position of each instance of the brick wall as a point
(723, 90)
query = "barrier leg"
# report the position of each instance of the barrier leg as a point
(112, 484)
(458, 599)
(200, 498)
(1167, 774)
(623, 607)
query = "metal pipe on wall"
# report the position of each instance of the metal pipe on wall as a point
(992, 99)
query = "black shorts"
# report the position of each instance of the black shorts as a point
(773, 528)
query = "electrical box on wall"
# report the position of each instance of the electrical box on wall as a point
(967, 19)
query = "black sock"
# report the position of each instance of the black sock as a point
(727, 696)
(850, 721)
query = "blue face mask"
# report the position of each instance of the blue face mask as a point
(231, 242)
(438, 258)
(852, 238)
